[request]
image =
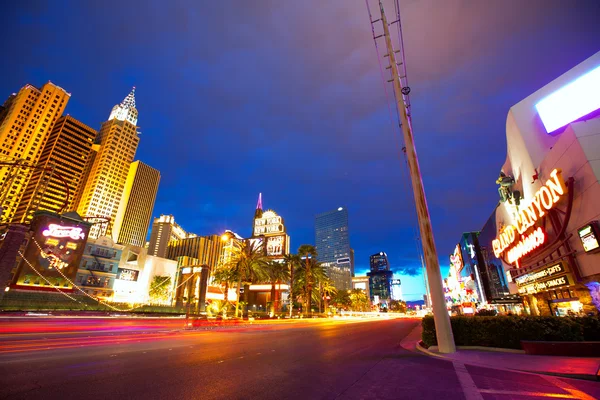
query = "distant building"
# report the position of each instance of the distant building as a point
(99, 268)
(137, 203)
(207, 250)
(118, 140)
(62, 161)
(361, 283)
(332, 242)
(380, 278)
(164, 231)
(27, 120)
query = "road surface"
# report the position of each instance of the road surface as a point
(349, 359)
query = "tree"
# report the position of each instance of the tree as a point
(308, 252)
(225, 276)
(359, 300)
(294, 262)
(307, 276)
(275, 272)
(328, 290)
(397, 306)
(342, 300)
(160, 288)
(247, 260)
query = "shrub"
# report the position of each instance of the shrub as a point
(486, 313)
(507, 332)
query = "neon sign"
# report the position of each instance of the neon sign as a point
(456, 259)
(269, 224)
(571, 102)
(588, 237)
(60, 231)
(542, 201)
(526, 245)
(275, 245)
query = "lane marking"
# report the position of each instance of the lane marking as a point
(532, 394)
(578, 394)
(469, 388)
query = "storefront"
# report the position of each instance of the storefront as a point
(464, 288)
(549, 193)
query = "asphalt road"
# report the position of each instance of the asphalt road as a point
(301, 360)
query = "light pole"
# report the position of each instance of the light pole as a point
(443, 329)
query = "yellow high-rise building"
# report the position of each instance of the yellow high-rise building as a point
(67, 150)
(137, 203)
(28, 119)
(118, 140)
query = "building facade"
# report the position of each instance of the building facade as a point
(207, 250)
(361, 283)
(332, 240)
(549, 186)
(380, 279)
(268, 228)
(62, 173)
(118, 140)
(28, 119)
(164, 231)
(99, 268)
(135, 210)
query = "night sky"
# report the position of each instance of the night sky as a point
(286, 98)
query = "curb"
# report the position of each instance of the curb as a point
(587, 377)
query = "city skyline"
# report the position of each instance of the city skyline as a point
(197, 101)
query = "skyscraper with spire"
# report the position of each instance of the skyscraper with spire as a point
(118, 140)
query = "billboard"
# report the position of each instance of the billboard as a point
(54, 251)
(127, 274)
(268, 224)
(276, 245)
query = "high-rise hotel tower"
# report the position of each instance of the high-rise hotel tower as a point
(135, 210)
(61, 172)
(118, 140)
(28, 118)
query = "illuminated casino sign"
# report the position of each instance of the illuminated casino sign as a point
(546, 272)
(550, 277)
(60, 231)
(276, 245)
(456, 259)
(127, 274)
(514, 239)
(571, 102)
(269, 224)
(53, 253)
(589, 237)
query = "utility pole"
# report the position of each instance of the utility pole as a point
(443, 328)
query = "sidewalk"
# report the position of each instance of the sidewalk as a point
(572, 367)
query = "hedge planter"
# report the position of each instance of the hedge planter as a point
(508, 332)
(573, 349)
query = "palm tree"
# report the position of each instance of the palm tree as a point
(225, 276)
(247, 260)
(275, 272)
(293, 261)
(308, 252)
(328, 291)
(308, 275)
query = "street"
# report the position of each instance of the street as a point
(320, 359)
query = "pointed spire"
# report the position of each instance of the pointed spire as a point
(126, 111)
(129, 100)
(258, 213)
(259, 204)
